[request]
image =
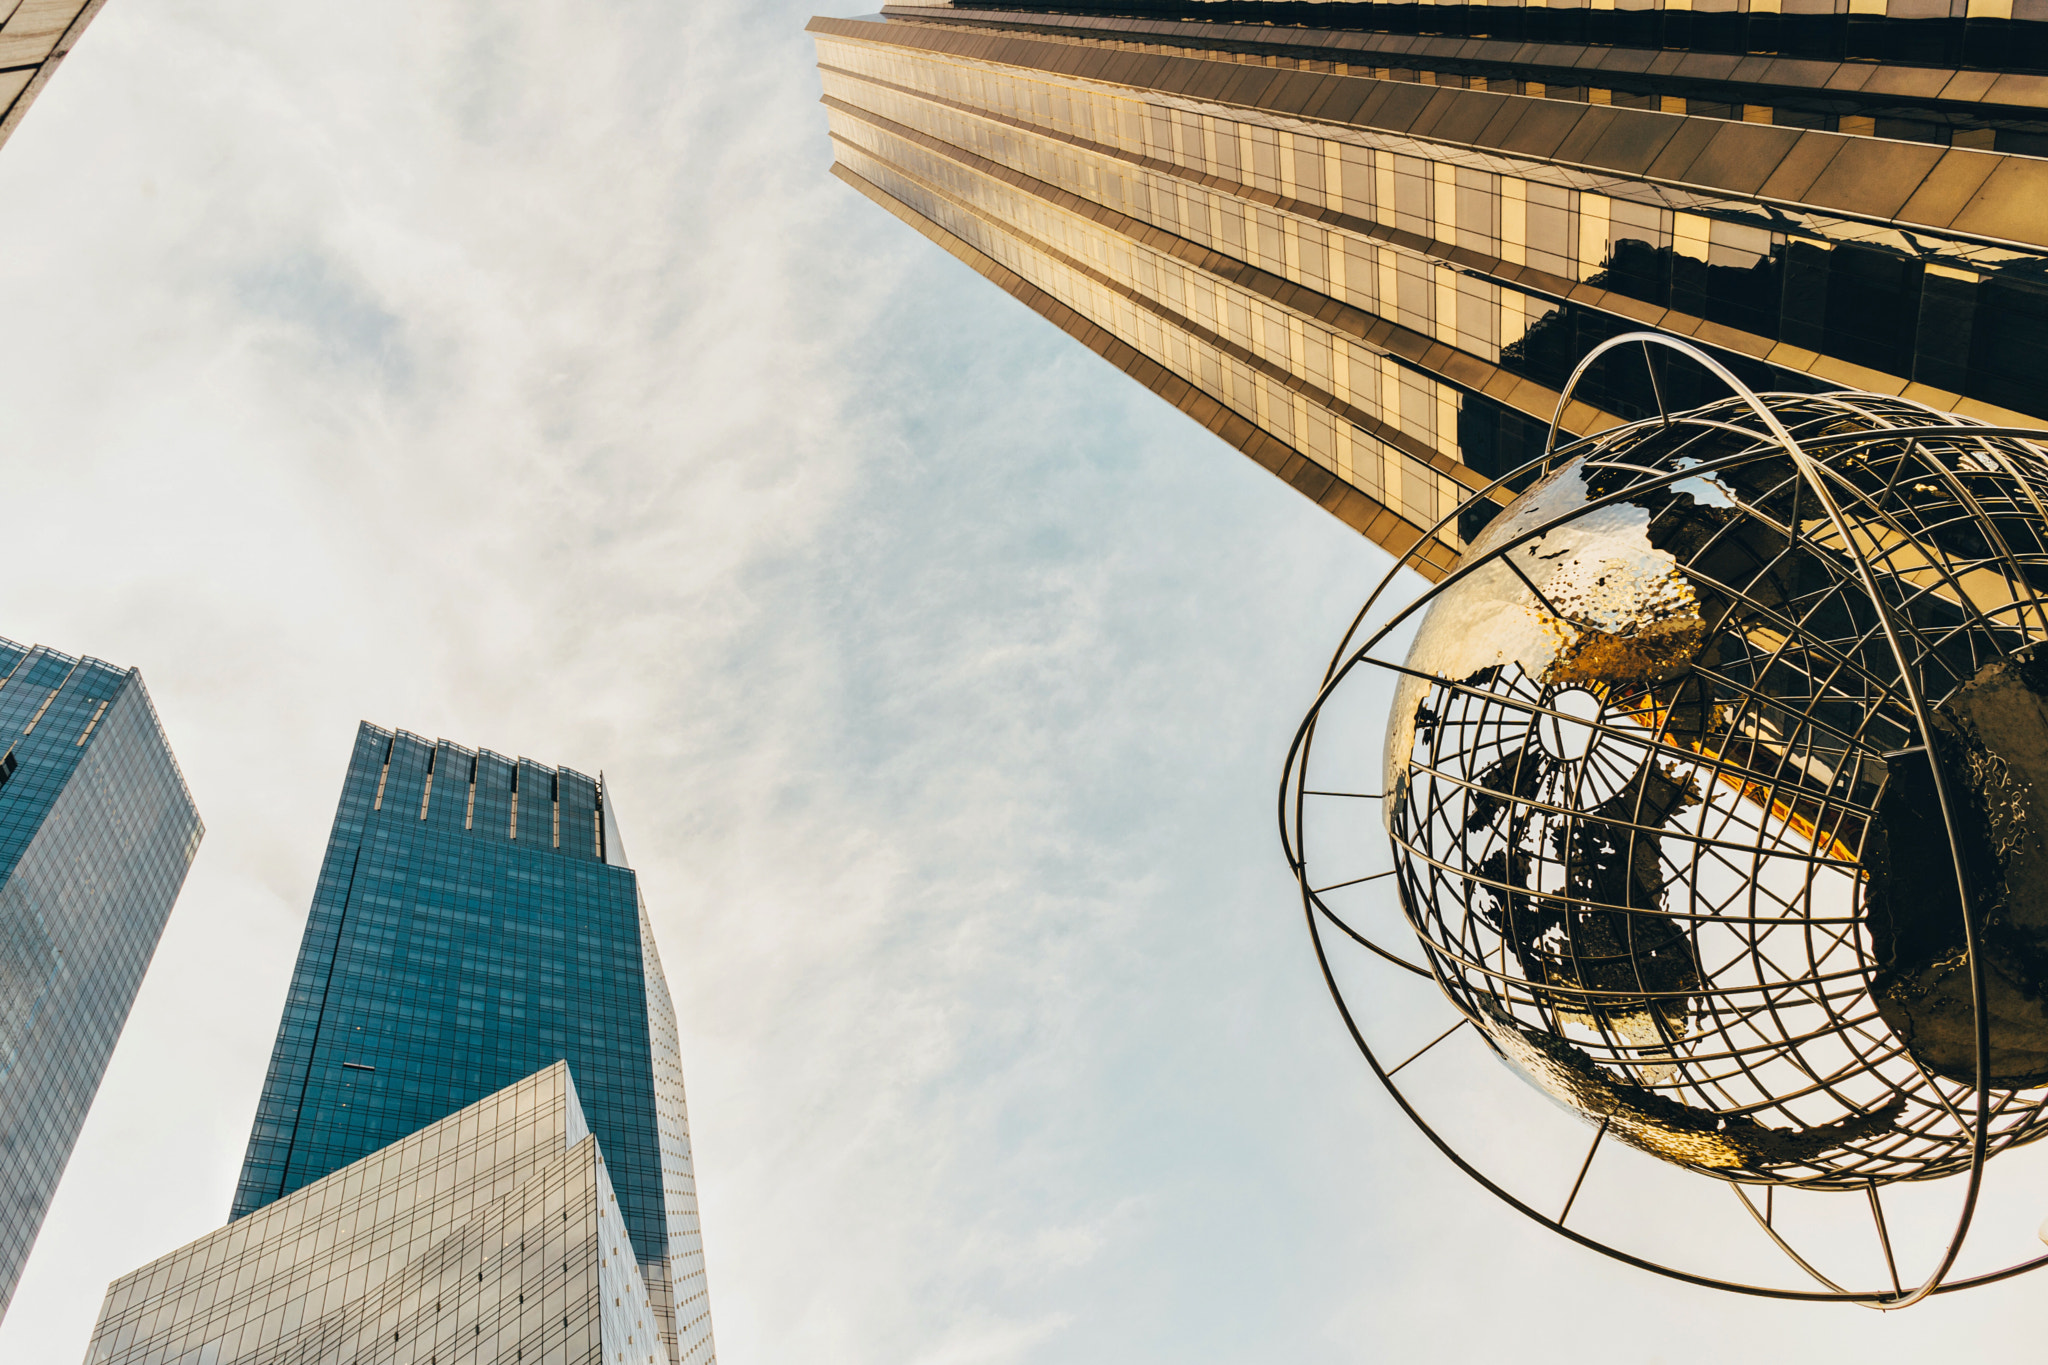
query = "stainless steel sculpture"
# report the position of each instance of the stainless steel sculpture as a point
(1716, 784)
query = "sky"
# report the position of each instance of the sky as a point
(517, 374)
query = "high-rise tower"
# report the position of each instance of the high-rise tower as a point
(491, 1237)
(1367, 243)
(97, 831)
(474, 922)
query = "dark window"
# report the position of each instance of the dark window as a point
(1803, 118)
(1494, 440)
(1913, 130)
(2009, 345)
(1942, 341)
(1739, 284)
(1873, 306)
(2014, 142)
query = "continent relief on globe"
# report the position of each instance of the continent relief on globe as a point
(1643, 600)
(1601, 601)
(1991, 740)
(1660, 1125)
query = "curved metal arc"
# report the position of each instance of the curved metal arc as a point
(1780, 435)
(1877, 1299)
(1865, 438)
(1365, 942)
(1811, 475)
(1649, 740)
(1646, 339)
(1296, 774)
(1786, 1247)
(1944, 570)
(1818, 485)
(1291, 839)
(1480, 1177)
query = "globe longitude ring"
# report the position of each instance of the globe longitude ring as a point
(1715, 784)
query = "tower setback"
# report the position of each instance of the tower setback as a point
(474, 922)
(491, 1235)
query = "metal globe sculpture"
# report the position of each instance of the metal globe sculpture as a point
(1716, 789)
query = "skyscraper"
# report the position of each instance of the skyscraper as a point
(34, 37)
(1367, 243)
(96, 834)
(475, 921)
(492, 1235)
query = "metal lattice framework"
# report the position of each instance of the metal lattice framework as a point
(1702, 804)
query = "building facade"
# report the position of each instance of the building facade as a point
(35, 36)
(1368, 243)
(494, 1234)
(474, 922)
(97, 831)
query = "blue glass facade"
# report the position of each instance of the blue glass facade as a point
(474, 922)
(97, 831)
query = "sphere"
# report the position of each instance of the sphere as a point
(1716, 761)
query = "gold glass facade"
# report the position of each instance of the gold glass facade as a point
(1375, 279)
(35, 36)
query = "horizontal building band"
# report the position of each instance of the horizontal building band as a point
(1998, 35)
(1973, 198)
(1900, 99)
(35, 36)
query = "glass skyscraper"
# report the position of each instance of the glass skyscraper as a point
(490, 1236)
(475, 921)
(35, 36)
(1367, 243)
(97, 831)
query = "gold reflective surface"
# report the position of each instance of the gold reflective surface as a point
(1374, 279)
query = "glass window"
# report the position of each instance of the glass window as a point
(1552, 232)
(1414, 186)
(1478, 211)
